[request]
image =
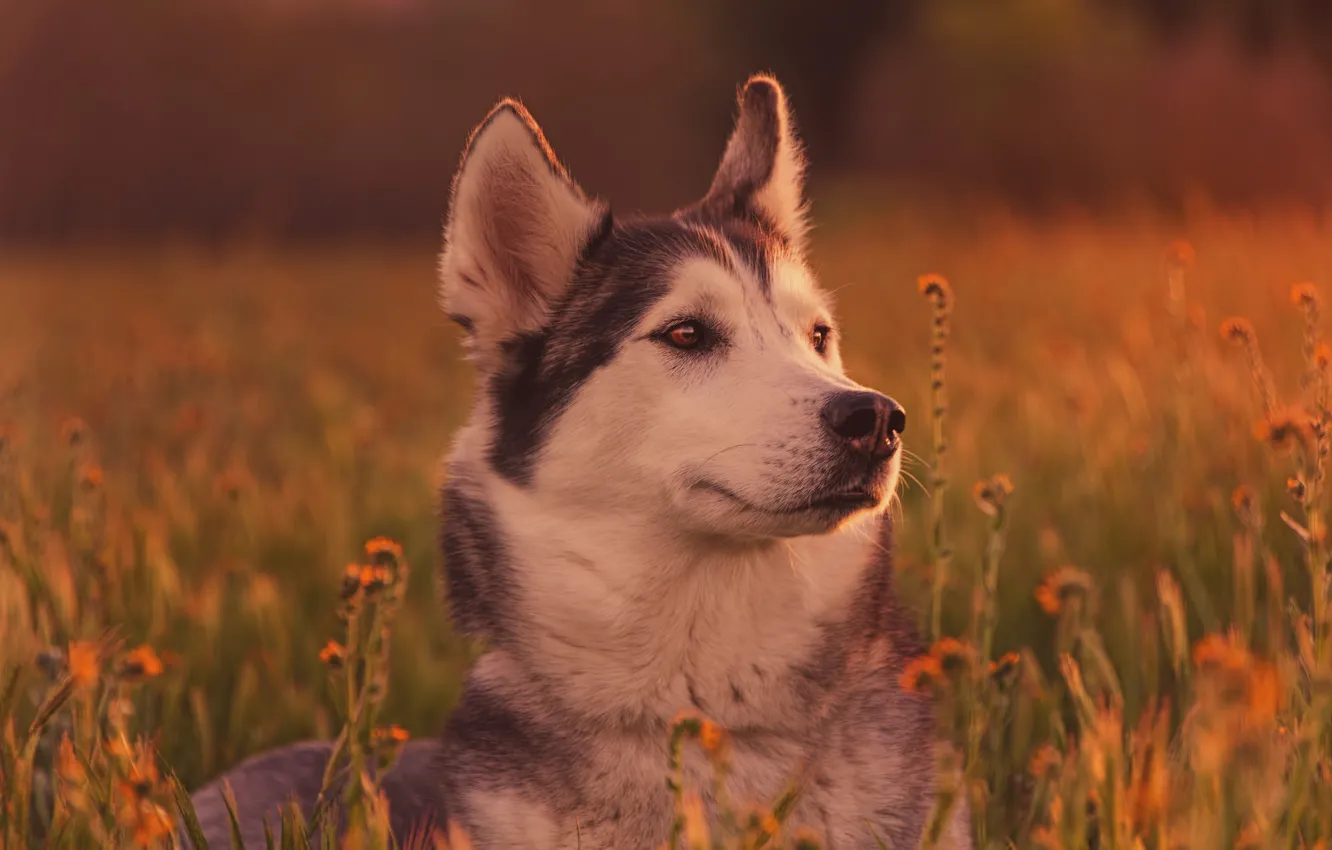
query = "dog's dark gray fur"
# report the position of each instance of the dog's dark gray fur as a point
(529, 757)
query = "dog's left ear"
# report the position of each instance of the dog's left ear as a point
(516, 227)
(762, 171)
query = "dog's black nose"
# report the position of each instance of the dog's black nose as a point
(865, 421)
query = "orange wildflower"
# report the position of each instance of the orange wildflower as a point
(1243, 499)
(351, 580)
(952, 653)
(1180, 252)
(367, 577)
(1322, 355)
(333, 654)
(1238, 330)
(990, 495)
(118, 748)
(1217, 651)
(84, 663)
(1044, 761)
(935, 287)
(91, 476)
(1304, 295)
(920, 674)
(1047, 599)
(1061, 585)
(1006, 664)
(393, 734)
(1263, 695)
(68, 765)
(142, 662)
(383, 547)
(711, 736)
(149, 823)
(1286, 428)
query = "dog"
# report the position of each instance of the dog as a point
(668, 496)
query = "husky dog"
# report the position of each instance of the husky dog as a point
(668, 497)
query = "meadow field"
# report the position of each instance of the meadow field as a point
(1122, 542)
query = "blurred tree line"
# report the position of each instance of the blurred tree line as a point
(320, 118)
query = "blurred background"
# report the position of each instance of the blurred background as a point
(316, 118)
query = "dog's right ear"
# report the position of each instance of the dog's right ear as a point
(516, 229)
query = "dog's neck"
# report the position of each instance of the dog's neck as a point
(630, 622)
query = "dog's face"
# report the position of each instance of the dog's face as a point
(678, 370)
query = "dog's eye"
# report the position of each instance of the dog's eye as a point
(819, 338)
(685, 335)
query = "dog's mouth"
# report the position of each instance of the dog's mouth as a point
(842, 502)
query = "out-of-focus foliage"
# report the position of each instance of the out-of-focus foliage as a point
(290, 118)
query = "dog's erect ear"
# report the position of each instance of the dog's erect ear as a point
(762, 171)
(516, 228)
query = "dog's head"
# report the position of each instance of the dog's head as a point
(682, 369)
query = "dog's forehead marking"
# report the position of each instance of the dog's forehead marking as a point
(760, 290)
(619, 279)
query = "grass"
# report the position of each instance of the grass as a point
(1128, 640)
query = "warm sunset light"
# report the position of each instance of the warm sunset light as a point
(494, 424)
